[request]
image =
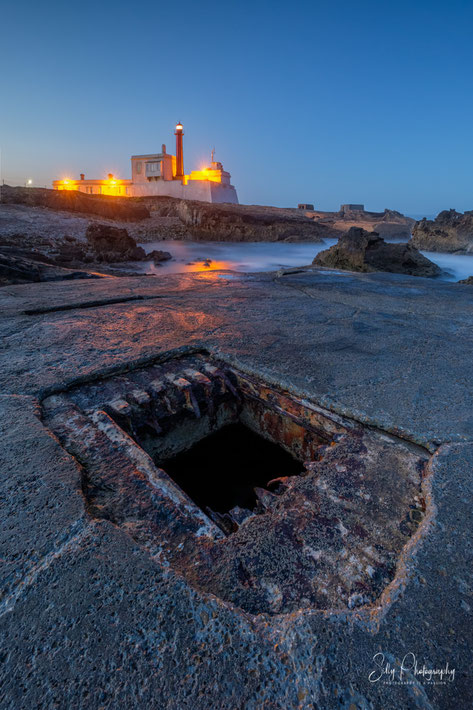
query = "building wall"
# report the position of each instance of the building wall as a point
(119, 188)
(141, 167)
(223, 193)
(203, 190)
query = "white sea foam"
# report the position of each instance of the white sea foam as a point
(267, 256)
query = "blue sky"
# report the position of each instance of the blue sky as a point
(323, 102)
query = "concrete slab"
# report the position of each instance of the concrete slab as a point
(42, 503)
(90, 619)
(388, 350)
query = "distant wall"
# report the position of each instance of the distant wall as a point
(352, 208)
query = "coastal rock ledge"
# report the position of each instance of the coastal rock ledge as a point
(359, 250)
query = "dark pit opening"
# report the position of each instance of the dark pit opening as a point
(221, 471)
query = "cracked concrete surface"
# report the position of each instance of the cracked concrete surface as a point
(90, 619)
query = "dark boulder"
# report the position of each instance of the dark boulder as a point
(111, 244)
(157, 255)
(468, 281)
(359, 250)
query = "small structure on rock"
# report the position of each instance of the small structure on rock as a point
(351, 208)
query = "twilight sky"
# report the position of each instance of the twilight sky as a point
(304, 101)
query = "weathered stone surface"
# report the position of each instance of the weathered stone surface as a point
(104, 625)
(450, 231)
(99, 622)
(468, 281)
(113, 244)
(358, 250)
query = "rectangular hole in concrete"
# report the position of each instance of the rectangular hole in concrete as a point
(220, 436)
(220, 473)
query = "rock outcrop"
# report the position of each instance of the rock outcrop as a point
(118, 208)
(468, 281)
(18, 268)
(237, 223)
(111, 244)
(450, 231)
(155, 218)
(388, 224)
(359, 250)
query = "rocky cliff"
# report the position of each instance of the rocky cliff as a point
(450, 231)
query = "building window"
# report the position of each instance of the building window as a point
(138, 167)
(154, 167)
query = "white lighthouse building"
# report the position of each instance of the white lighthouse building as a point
(162, 174)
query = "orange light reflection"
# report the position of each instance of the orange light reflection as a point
(205, 266)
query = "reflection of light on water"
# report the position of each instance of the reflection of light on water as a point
(234, 256)
(212, 266)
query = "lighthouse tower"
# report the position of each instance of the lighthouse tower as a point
(179, 153)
